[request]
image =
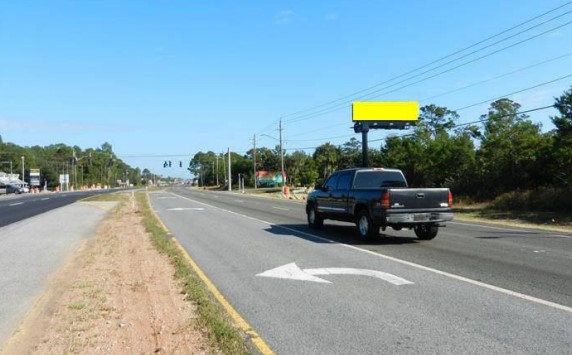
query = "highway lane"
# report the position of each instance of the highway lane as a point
(15, 208)
(475, 289)
(533, 262)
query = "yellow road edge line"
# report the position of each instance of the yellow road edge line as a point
(236, 317)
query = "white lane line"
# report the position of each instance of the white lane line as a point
(45, 198)
(241, 201)
(404, 262)
(559, 236)
(510, 229)
(16, 204)
(281, 208)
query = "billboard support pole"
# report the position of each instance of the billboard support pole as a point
(381, 115)
(364, 147)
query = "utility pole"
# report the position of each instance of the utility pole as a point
(217, 170)
(254, 160)
(281, 153)
(229, 172)
(23, 169)
(223, 166)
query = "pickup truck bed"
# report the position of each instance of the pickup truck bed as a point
(374, 198)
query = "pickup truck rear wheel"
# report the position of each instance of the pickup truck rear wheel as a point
(367, 230)
(426, 231)
(314, 220)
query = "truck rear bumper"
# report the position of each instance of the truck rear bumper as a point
(416, 218)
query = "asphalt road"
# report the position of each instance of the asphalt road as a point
(474, 289)
(33, 249)
(15, 208)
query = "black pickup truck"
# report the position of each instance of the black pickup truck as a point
(377, 197)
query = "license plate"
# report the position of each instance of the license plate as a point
(420, 217)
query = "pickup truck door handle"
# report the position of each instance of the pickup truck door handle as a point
(420, 195)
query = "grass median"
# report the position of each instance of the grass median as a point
(211, 316)
(211, 319)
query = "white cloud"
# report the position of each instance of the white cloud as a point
(284, 17)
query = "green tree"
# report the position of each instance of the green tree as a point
(405, 153)
(510, 149)
(350, 154)
(201, 166)
(267, 159)
(562, 144)
(296, 164)
(326, 157)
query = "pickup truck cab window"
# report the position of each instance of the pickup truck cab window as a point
(344, 181)
(331, 183)
(376, 179)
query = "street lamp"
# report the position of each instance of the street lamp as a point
(76, 160)
(23, 169)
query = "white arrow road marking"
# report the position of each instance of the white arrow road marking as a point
(293, 272)
(396, 280)
(186, 209)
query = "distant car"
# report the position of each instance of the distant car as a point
(16, 189)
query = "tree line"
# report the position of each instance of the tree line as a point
(89, 167)
(501, 153)
(504, 152)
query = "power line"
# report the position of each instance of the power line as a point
(377, 94)
(431, 63)
(475, 122)
(492, 100)
(155, 156)
(472, 85)
(498, 77)
(319, 139)
(448, 56)
(435, 61)
(515, 92)
(460, 124)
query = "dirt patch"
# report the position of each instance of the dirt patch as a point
(117, 295)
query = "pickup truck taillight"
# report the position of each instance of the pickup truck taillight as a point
(450, 200)
(385, 200)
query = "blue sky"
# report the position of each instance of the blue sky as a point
(162, 80)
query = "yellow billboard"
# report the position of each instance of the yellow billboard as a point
(385, 111)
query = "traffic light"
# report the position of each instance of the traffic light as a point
(169, 163)
(165, 164)
(180, 164)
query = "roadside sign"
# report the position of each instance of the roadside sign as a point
(64, 178)
(34, 177)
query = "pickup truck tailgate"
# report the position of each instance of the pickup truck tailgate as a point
(418, 198)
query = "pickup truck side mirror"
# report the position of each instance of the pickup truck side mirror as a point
(319, 185)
